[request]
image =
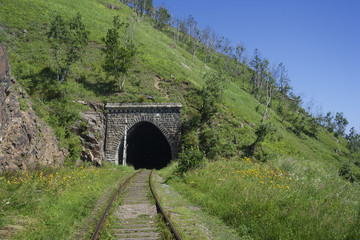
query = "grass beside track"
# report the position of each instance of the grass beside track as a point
(283, 200)
(191, 221)
(54, 203)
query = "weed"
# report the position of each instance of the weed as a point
(263, 201)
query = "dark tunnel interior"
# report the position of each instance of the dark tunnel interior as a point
(147, 147)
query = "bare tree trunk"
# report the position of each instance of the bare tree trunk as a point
(193, 56)
(122, 82)
(178, 35)
(64, 74)
(57, 66)
(243, 78)
(350, 158)
(57, 71)
(268, 100)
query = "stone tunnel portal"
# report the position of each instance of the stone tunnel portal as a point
(147, 147)
(151, 131)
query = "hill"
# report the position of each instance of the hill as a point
(164, 70)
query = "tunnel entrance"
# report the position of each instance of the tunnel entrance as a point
(147, 147)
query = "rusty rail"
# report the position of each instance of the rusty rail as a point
(158, 205)
(96, 233)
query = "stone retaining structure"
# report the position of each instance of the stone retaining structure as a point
(123, 117)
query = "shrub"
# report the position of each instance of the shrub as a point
(190, 158)
(346, 172)
(209, 141)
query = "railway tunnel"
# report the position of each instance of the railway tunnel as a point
(147, 147)
(150, 132)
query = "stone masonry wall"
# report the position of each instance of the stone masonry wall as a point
(166, 117)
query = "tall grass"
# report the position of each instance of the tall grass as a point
(262, 201)
(53, 203)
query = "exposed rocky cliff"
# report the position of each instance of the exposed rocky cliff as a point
(25, 140)
(92, 133)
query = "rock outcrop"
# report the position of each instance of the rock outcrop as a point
(91, 130)
(25, 140)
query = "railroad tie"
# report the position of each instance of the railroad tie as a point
(136, 216)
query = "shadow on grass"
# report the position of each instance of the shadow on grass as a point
(43, 83)
(101, 88)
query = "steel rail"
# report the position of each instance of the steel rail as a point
(167, 220)
(96, 233)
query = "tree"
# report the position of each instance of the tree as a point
(328, 122)
(353, 142)
(191, 26)
(209, 39)
(182, 29)
(245, 63)
(295, 102)
(68, 41)
(284, 80)
(227, 51)
(313, 126)
(162, 17)
(195, 43)
(256, 65)
(219, 45)
(149, 7)
(262, 131)
(240, 50)
(340, 124)
(212, 94)
(269, 80)
(119, 56)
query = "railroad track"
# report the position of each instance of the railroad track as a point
(135, 218)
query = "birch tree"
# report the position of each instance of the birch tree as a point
(68, 41)
(209, 40)
(240, 50)
(119, 53)
(284, 80)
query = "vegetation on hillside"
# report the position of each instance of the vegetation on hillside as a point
(233, 106)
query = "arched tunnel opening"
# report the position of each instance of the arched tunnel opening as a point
(147, 147)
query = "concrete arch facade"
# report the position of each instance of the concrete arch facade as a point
(122, 118)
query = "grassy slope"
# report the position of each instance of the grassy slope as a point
(29, 55)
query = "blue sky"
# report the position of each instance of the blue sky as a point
(318, 41)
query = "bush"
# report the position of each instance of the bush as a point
(190, 158)
(346, 172)
(209, 141)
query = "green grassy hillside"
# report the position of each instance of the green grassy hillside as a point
(166, 72)
(161, 70)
